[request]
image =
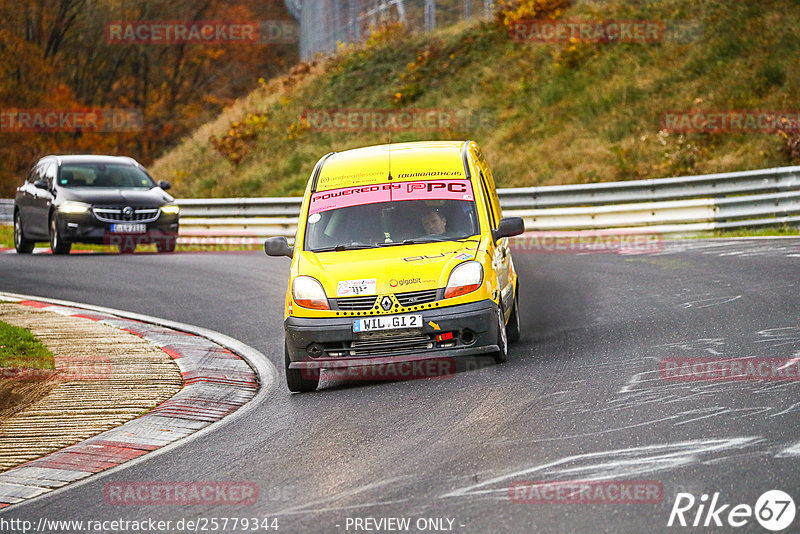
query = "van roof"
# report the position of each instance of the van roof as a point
(421, 160)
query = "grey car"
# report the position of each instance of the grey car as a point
(109, 200)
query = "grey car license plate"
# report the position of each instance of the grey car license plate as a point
(129, 228)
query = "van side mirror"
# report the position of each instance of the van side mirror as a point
(278, 246)
(508, 227)
(163, 184)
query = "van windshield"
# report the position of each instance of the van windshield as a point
(373, 216)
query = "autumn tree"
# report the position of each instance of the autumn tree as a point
(55, 54)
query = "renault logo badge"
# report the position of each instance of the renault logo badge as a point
(386, 303)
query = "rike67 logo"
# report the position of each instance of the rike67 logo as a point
(774, 510)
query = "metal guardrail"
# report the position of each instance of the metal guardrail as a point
(688, 187)
(240, 207)
(6, 210)
(683, 205)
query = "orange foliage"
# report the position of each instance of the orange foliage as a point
(55, 56)
(510, 11)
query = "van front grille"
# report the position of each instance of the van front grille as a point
(355, 303)
(413, 298)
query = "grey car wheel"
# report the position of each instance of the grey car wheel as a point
(21, 245)
(57, 243)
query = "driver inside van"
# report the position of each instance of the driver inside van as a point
(434, 222)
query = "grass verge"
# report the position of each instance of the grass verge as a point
(20, 348)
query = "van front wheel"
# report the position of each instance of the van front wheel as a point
(513, 321)
(502, 338)
(300, 380)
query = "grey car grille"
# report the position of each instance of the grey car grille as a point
(117, 215)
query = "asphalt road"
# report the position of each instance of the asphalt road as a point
(580, 398)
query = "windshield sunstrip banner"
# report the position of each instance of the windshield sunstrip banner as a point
(372, 194)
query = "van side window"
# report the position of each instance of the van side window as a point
(492, 192)
(487, 200)
(488, 183)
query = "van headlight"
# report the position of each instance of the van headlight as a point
(171, 209)
(70, 206)
(465, 278)
(308, 293)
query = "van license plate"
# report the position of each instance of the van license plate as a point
(388, 322)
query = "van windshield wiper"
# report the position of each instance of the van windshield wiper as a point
(425, 240)
(340, 248)
(397, 243)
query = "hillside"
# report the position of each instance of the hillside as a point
(544, 113)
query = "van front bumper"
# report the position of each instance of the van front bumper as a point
(329, 343)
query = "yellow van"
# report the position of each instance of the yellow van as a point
(401, 255)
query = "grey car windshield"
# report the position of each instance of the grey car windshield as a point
(108, 175)
(391, 223)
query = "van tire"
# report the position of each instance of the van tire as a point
(513, 329)
(502, 337)
(295, 381)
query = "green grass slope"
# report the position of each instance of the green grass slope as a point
(544, 113)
